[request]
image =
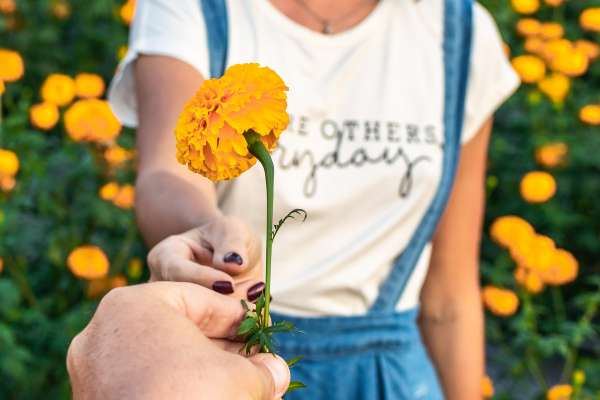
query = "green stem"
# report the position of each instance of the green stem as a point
(258, 150)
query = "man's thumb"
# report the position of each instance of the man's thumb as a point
(275, 375)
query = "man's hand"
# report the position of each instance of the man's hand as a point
(169, 340)
(223, 255)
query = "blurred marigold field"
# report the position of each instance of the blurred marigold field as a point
(67, 168)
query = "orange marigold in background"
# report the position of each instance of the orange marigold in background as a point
(7, 6)
(88, 86)
(117, 155)
(590, 114)
(590, 19)
(572, 62)
(537, 187)
(501, 302)
(551, 155)
(510, 229)
(99, 287)
(530, 280)
(530, 68)
(525, 6)
(560, 392)
(11, 66)
(44, 115)
(590, 49)
(91, 120)
(535, 254)
(554, 3)
(127, 11)
(487, 387)
(125, 198)
(58, 89)
(9, 163)
(109, 191)
(563, 268)
(88, 262)
(552, 30)
(210, 130)
(535, 45)
(556, 87)
(528, 27)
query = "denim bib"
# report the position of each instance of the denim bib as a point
(378, 355)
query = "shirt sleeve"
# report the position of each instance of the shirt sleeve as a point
(160, 27)
(491, 79)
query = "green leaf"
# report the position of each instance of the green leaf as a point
(294, 360)
(247, 326)
(295, 385)
(296, 211)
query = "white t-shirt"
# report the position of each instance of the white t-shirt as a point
(365, 189)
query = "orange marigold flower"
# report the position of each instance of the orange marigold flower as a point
(125, 198)
(560, 392)
(501, 302)
(109, 191)
(487, 387)
(552, 30)
(556, 87)
(44, 115)
(525, 6)
(88, 86)
(590, 49)
(530, 68)
(537, 187)
(127, 12)
(534, 45)
(91, 120)
(509, 229)
(528, 27)
(9, 163)
(58, 89)
(116, 155)
(551, 155)
(536, 253)
(11, 66)
(210, 130)
(573, 62)
(7, 7)
(563, 268)
(61, 9)
(99, 287)
(554, 3)
(590, 114)
(7, 183)
(533, 283)
(590, 19)
(88, 262)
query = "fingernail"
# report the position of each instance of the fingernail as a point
(223, 287)
(255, 291)
(233, 257)
(280, 372)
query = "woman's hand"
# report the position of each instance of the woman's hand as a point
(169, 340)
(223, 255)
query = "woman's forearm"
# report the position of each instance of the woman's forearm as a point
(454, 338)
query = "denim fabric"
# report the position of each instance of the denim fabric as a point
(376, 356)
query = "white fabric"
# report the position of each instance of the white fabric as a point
(378, 86)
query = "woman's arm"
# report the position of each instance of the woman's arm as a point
(451, 315)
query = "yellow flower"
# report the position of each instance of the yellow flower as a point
(9, 163)
(530, 68)
(578, 377)
(502, 302)
(510, 229)
(525, 6)
(552, 30)
(44, 115)
(551, 155)
(88, 262)
(533, 283)
(7, 7)
(11, 66)
(563, 268)
(555, 86)
(487, 387)
(135, 267)
(125, 198)
(91, 120)
(590, 49)
(109, 191)
(116, 155)
(534, 45)
(554, 3)
(89, 86)
(573, 62)
(560, 392)
(537, 187)
(590, 19)
(127, 12)
(528, 27)
(555, 48)
(210, 130)
(535, 253)
(590, 114)
(61, 9)
(58, 89)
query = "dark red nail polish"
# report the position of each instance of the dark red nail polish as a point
(233, 257)
(223, 287)
(255, 291)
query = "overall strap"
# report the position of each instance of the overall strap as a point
(217, 34)
(457, 49)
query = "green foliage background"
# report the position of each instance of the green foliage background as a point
(55, 207)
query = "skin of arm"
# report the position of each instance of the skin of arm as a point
(451, 318)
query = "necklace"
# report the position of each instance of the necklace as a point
(327, 24)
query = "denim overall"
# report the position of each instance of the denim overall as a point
(378, 355)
